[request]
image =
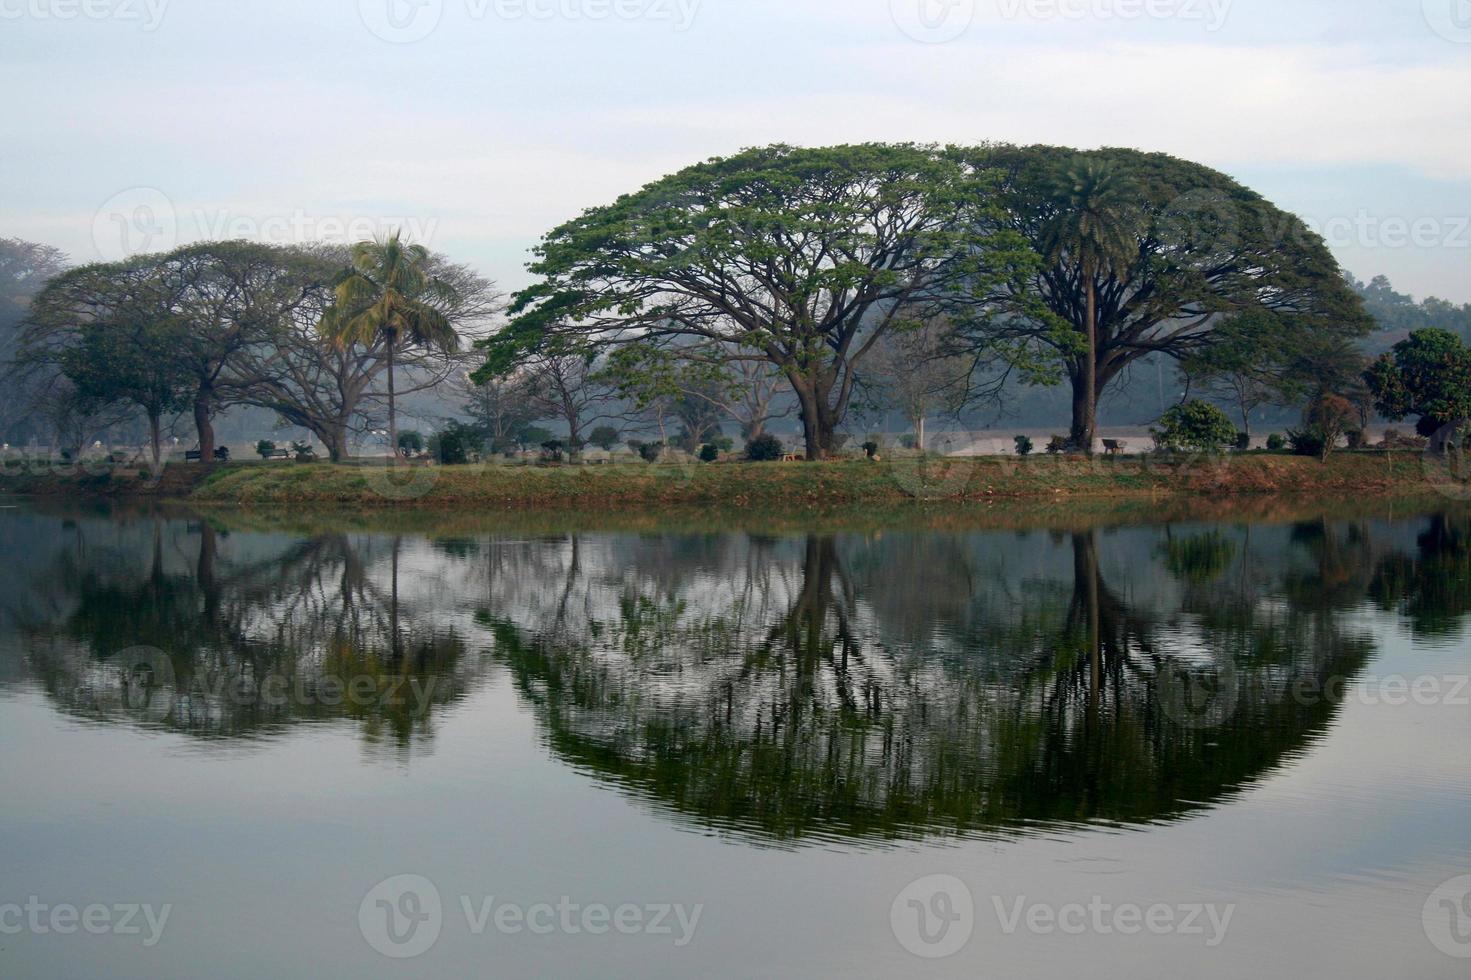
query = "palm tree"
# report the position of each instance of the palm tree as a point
(1094, 227)
(388, 294)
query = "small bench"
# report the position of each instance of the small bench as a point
(1114, 447)
(222, 454)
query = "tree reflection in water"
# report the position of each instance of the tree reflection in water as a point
(863, 687)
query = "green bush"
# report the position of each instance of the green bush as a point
(871, 449)
(765, 449)
(1276, 442)
(1196, 426)
(1056, 445)
(1024, 446)
(1243, 442)
(709, 453)
(454, 446)
(552, 451)
(410, 442)
(265, 448)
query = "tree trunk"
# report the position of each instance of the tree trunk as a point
(203, 405)
(1090, 370)
(1082, 409)
(336, 442)
(392, 408)
(155, 440)
(919, 440)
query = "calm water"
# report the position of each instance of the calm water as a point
(1123, 750)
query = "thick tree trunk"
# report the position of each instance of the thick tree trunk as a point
(155, 437)
(203, 410)
(1089, 431)
(1082, 425)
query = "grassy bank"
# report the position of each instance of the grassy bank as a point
(749, 486)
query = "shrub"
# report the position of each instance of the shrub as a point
(709, 453)
(1330, 418)
(1358, 439)
(552, 450)
(265, 448)
(651, 452)
(1243, 441)
(453, 446)
(1057, 445)
(765, 449)
(303, 452)
(1197, 426)
(410, 442)
(909, 441)
(1024, 446)
(871, 449)
(1306, 442)
(605, 437)
(1276, 442)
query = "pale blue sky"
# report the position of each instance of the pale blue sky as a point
(479, 124)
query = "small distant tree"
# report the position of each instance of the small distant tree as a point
(1024, 446)
(1197, 426)
(410, 442)
(709, 453)
(1428, 375)
(605, 437)
(1329, 419)
(1276, 442)
(265, 449)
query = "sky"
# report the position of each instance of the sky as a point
(478, 125)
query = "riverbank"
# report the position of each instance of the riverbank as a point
(743, 485)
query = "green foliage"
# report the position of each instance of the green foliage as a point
(709, 453)
(779, 253)
(265, 449)
(1024, 445)
(1276, 442)
(765, 449)
(1196, 426)
(1307, 442)
(553, 450)
(1428, 375)
(410, 441)
(605, 437)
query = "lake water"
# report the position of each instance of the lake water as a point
(972, 746)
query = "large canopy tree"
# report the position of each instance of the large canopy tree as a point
(1147, 254)
(801, 258)
(1428, 375)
